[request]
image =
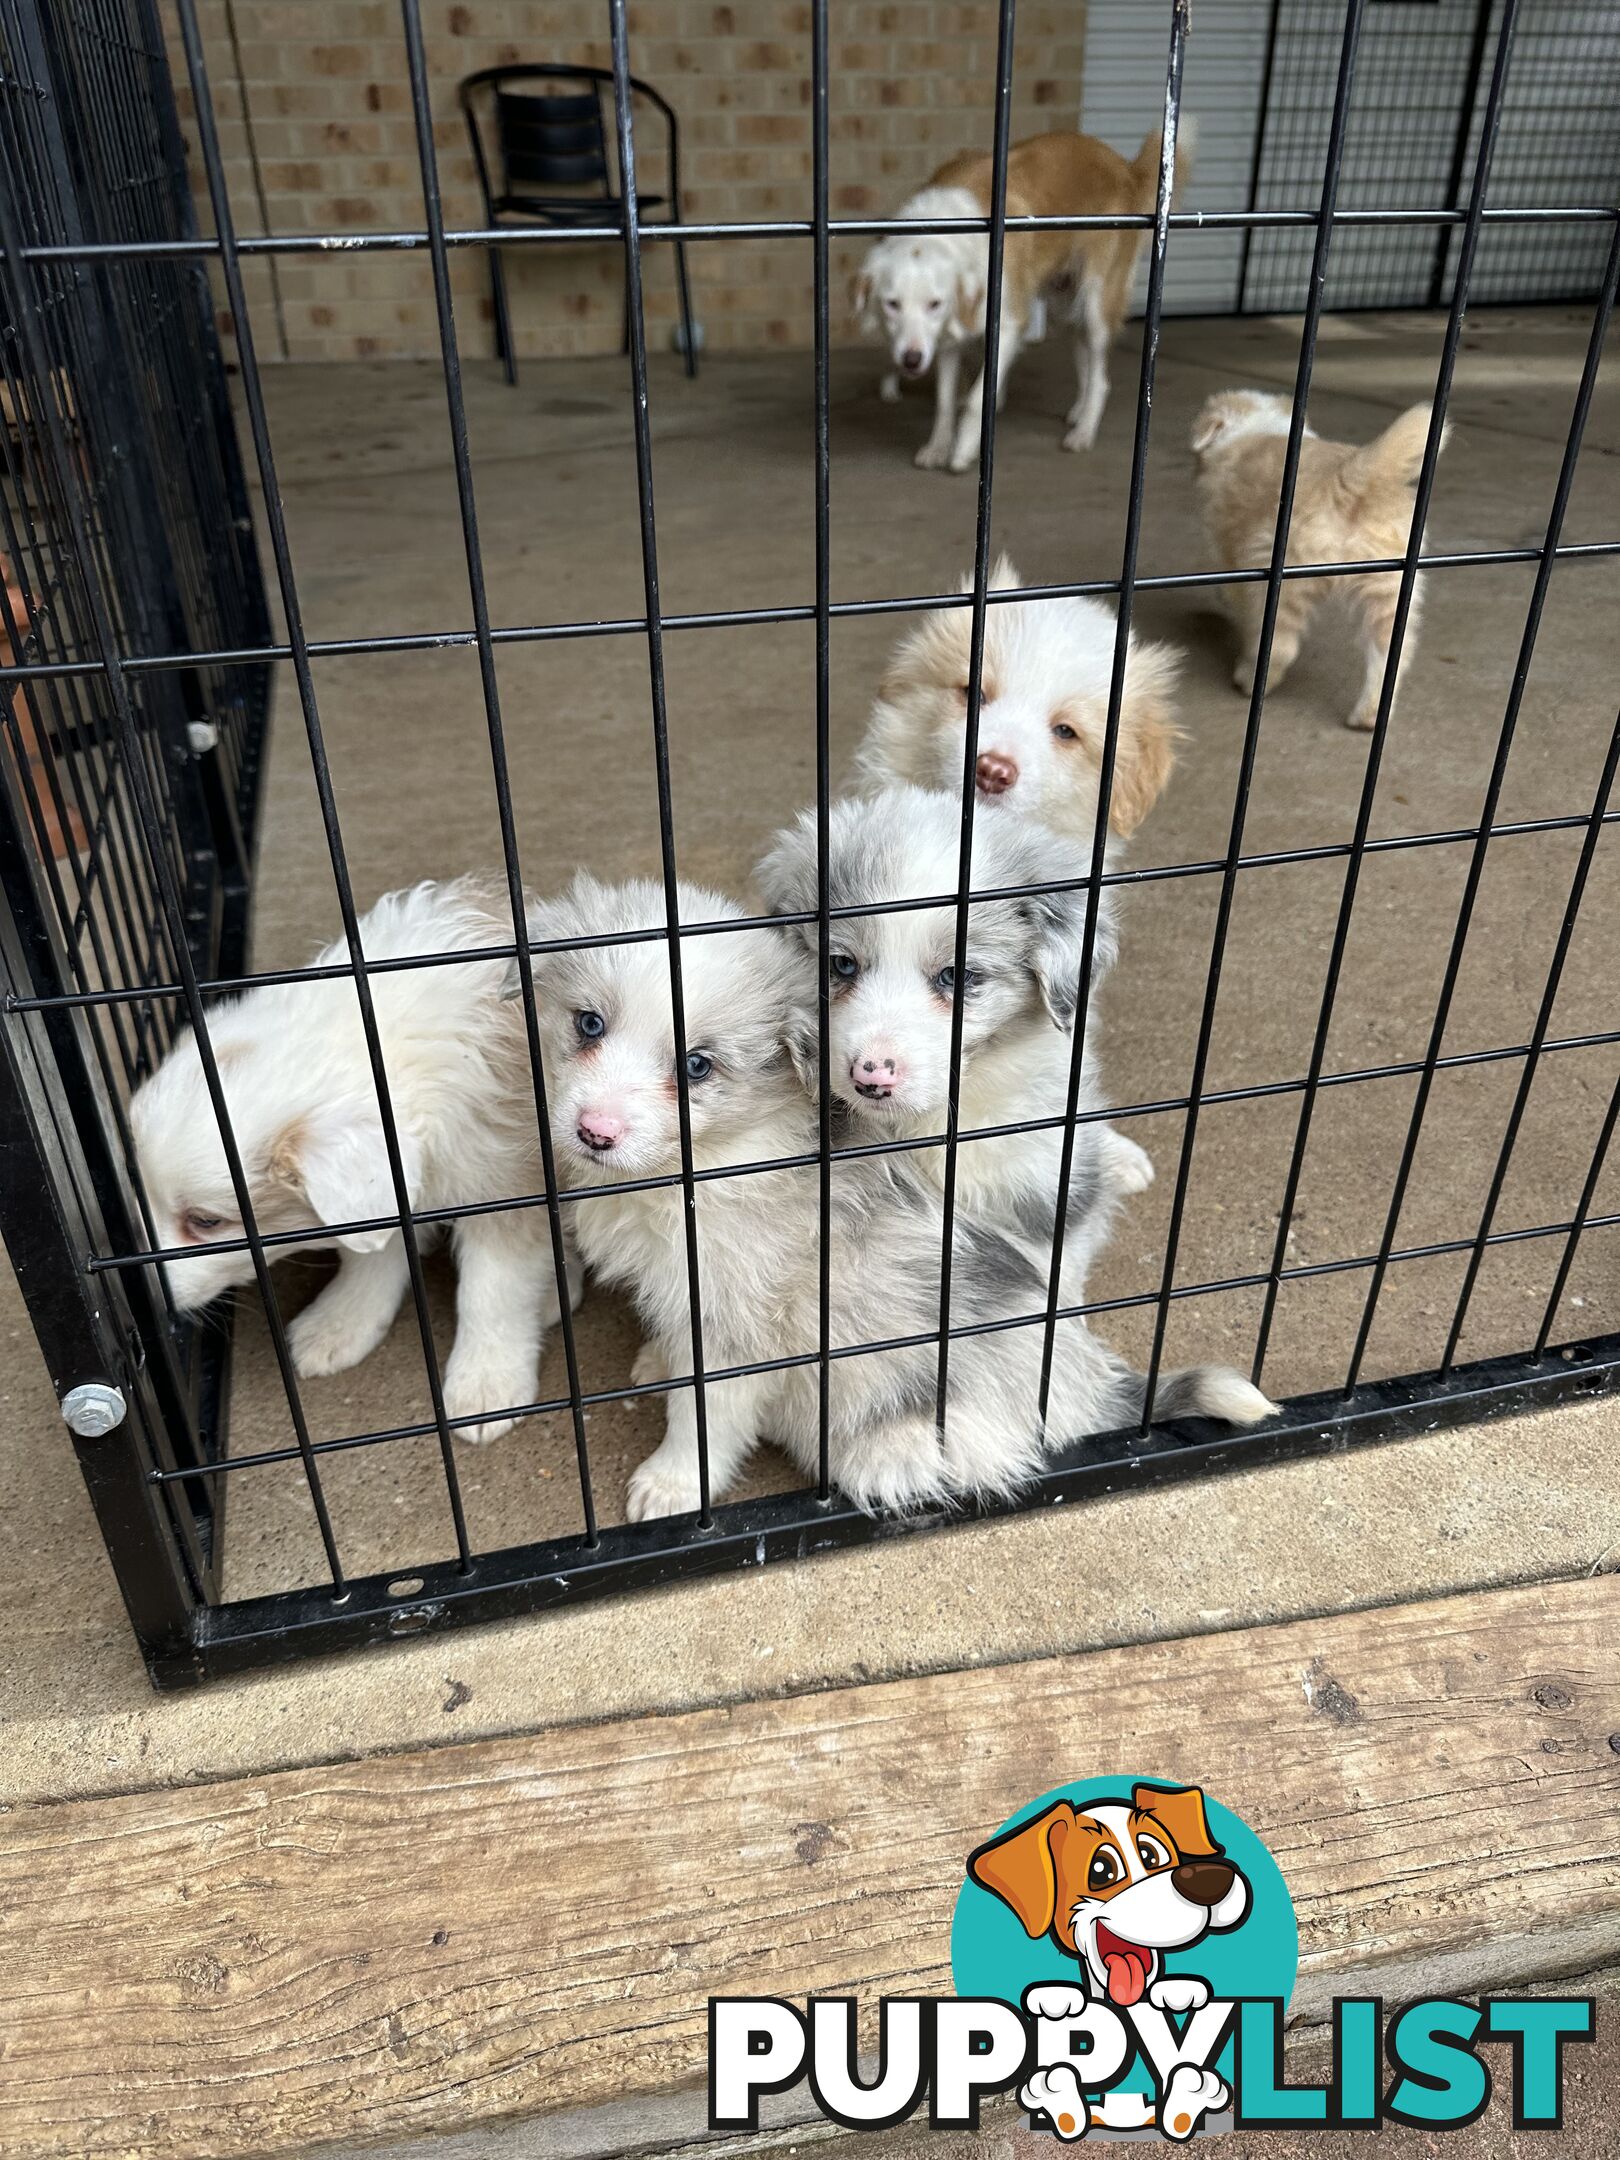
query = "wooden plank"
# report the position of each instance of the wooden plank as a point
(441, 1939)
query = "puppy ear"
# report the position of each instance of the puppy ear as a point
(1180, 1810)
(1021, 1867)
(1211, 424)
(1004, 575)
(1058, 926)
(860, 297)
(336, 1158)
(786, 876)
(1146, 749)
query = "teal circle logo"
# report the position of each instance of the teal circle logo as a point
(1132, 1890)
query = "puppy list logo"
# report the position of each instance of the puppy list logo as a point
(1124, 1951)
(1107, 1912)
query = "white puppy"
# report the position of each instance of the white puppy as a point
(749, 1001)
(1043, 714)
(303, 1107)
(891, 1014)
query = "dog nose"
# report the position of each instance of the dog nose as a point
(876, 1074)
(599, 1131)
(911, 360)
(996, 772)
(1204, 1882)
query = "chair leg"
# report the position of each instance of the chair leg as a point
(687, 338)
(504, 351)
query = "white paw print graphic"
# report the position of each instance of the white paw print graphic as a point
(1056, 2094)
(1190, 2095)
(1178, 1992)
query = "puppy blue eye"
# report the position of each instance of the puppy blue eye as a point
(945, 980)
(845, 966)
(1064, 733)
(698, 1067)
(591, 1025)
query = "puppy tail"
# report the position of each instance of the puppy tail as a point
(1197, 1391)
(1394, 458)
(1145, 165)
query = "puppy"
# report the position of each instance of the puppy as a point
(926, 293)
(890, 1023)
(303, 1106)
(749, 1001)
(1349, 503)
(1042, 716)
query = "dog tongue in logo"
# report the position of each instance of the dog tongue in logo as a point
(1127, 1965)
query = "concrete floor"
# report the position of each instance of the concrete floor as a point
(370, 499)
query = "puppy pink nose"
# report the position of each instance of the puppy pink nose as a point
(876, 1072)
(996, 772)
(599, 1130)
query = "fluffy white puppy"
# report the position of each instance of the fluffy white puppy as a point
(303, 1106)
(1042, 716)
(892, 980)
(749, 999)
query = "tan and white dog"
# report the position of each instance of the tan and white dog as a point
(1350, 504)
(1042, 717)
(925, 292)
(1118, 1884)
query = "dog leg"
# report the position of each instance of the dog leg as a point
(1091, 368)
(895, 1466)
(889, 388)
(1375, 602)
(667, 1482)
(352, 1314)
(947, 368)
(1294, 609)
(965, 450)
(506, 1297)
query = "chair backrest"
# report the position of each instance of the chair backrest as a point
(550, 141)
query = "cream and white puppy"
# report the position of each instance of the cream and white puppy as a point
(924, 293)
(1350, 503)
(893, 975)
(749, 999)
(303, 1107)
(1042, 717)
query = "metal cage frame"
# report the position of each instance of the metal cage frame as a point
(71, 1206)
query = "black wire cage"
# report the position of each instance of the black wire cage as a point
(140, 645)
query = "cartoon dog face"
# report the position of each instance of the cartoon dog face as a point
(1117, 1883)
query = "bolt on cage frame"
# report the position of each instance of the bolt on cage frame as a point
(143, 664)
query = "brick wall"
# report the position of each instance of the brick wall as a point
(315, 125)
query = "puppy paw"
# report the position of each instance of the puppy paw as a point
(324, 1339)
(1243, 678)
(1130, 1166)
(900, 1470)
(1364, 719)
(933, 456)
(1056, 2094)
(1190, 2095)
(662, 1487)
(475, 1383)
(889, 389)
(1055, 1999)
(1080, 438)
(651, 1364)
(964, 456)
(1178, 1992)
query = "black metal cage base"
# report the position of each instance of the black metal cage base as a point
(138, 644)
(414, 1601)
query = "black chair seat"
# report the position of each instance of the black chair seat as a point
(569, 209)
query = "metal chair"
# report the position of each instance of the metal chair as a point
(542, 143)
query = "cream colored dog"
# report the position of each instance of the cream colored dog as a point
(1349, 504)
(926, 292)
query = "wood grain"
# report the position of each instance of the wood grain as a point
(435, 1940)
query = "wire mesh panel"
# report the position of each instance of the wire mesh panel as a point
(1414, 133)
(139, 647)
